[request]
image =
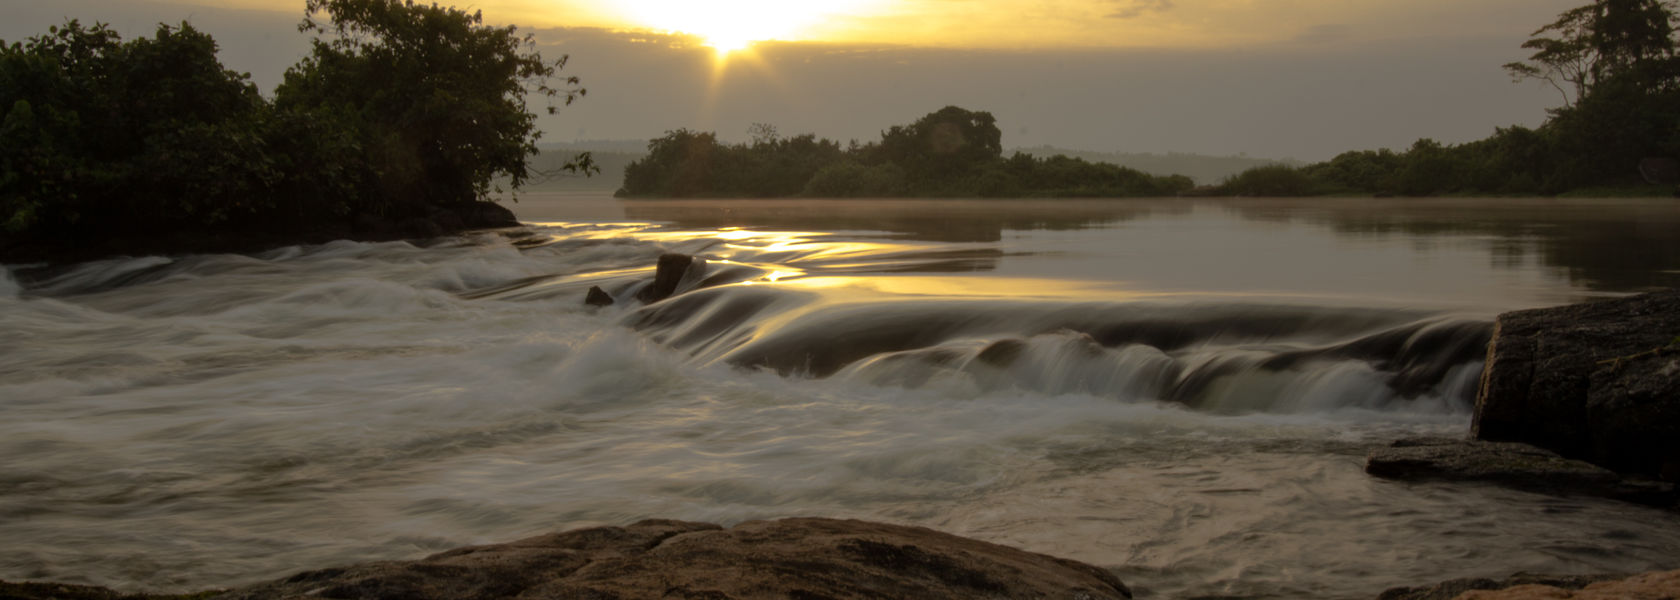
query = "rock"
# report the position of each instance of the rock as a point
(790, 558)
(1597, 381)
(598, 297)
(1649, 586)
(1449, 590)
(668, 275)
(1510, 464)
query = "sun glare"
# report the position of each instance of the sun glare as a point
(731, 25)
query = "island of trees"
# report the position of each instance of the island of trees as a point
(399, 123)
(951, 152)
(1616, 64)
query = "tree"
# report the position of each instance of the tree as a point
(943, 144)
(104, 135)
(437, 99)
(1591, 44)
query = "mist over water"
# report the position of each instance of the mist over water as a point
(1181, 391)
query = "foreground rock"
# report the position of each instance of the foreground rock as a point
(1513, 465)
(1648, 586)
(792, 558)
(1597, 381)
(1457, 588)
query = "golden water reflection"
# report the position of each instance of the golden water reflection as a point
(1595, 245)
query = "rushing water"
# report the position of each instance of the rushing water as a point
(1181, 391)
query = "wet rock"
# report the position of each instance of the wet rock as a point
(1510, 464)
(790, 558)
(1649, 586)
(1451, 590)
(668, 275)
(1597, 381)
(597, 297)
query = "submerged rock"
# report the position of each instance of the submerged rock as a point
(790, 558)
(597, 297)
(1513, 465)
(1597, 381)
(668, 275)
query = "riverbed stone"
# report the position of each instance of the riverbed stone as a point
(1458, 588)
(801, 558)
(1647, 586)
(597, 297)
(1598, 381)
(668, 275)
(1511, 464)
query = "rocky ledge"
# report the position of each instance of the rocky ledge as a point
(1525, 586)
(1513, 465)
(1580, 399)
(803, 559)
(1597, 381)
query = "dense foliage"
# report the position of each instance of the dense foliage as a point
(1616, 64)
(398, 110)
(951, 152)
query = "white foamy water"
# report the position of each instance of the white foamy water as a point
(1033, 376)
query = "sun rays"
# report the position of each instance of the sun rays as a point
(729, 26)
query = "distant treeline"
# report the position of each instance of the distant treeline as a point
(1614, 62)
(949, 153)
(1203, 168)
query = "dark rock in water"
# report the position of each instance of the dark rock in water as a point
(1597, 381)
(1448, 590)
(1510, 464)
(598, 297)
(789, 558)
(668, 275)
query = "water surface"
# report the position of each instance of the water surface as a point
(1181, 391)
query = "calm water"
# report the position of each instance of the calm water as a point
(1181, 391)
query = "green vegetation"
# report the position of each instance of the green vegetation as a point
(1616, 64)
(949, 153)
(401, 111)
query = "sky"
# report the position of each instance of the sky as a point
(1301, 79)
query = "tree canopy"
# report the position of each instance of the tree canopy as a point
(399, 111)
(1617, 65)
(949, 152)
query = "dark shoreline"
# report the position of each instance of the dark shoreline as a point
(48, 254)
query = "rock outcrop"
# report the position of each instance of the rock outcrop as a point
(1597, 381)
(804, 558)
(1457, 588)
(1514, 465)
(668, 275)
(597, 297)
(1647, 586)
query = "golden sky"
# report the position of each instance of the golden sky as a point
(1019, 23)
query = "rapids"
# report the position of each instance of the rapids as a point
(1181, 391)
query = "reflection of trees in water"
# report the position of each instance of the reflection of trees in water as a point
(925, 220)
(1609, 246)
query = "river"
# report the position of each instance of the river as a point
(1182, 391)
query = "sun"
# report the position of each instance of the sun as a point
(731, 25)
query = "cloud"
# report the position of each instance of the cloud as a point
(1132, 9)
